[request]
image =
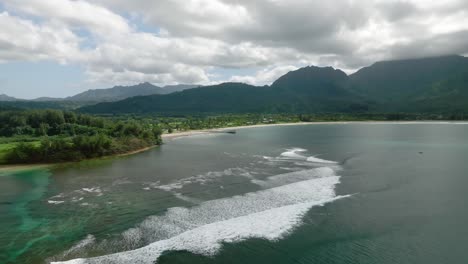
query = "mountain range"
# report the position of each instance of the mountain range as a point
(6, 98)
(115, 93)
(427, 85)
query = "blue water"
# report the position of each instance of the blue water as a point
(334, 193)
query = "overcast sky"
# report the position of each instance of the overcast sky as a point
(62, 47)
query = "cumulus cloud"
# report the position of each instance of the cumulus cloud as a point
(181, 41)
(264, 76)
(74, 13)
(21, 39)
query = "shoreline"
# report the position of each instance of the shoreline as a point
(189, 133)
(21, 167)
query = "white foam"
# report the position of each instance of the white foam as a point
(55, 202)
(317, 160)
(82, 245)
(187, 198)
(269, 214)
(77, 199)
(204, 178)
(61, 195)
(295, 176)
(96, 190)
(294, 153)
(271, 224)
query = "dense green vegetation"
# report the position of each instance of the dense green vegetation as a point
(59, 105)
(429, 86)
(178, 123)
(36, 136)
(41, 136)
(230, 98)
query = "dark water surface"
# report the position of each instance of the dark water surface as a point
(335, 193)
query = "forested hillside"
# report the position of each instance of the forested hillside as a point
(290, 94)
(418, 85)
(432, 85)
(423, 86)
(51, 136)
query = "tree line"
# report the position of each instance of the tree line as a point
(56, 135)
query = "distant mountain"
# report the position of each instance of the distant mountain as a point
(305, 90)
(6, 98)
(428, 85)
(178, 88)
(93, 96)
(415, 85)
(47, 99)
(315, 83)
(227, 97)
(432, 85)
(116, 93)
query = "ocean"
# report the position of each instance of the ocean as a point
(321, 193)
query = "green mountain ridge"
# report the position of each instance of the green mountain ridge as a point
(395, 84)
(113, 94)
(427, 85)
(116, 93)
(323, 90)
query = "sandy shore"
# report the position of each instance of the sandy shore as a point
(214, 130)
(6, 168)
(21, 167)
(175, 135)
(132, 152)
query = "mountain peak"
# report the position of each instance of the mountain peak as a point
(398, 79)
(4, 97)
(311, 75)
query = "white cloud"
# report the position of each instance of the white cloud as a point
(74, 13)
(23, 40)
(265, 76)
(108, 38)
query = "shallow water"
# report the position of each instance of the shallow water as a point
(334, 193)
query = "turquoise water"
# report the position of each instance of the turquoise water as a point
(335, 193)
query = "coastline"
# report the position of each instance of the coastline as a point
(132, 152)
(21, 167)
(189, 133)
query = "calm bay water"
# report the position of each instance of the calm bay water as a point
(335, 193)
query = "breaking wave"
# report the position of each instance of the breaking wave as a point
(317, 160)
(270, 213)
(293, 153)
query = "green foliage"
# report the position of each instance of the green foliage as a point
(93, 146)
(67, 136)
(23, 152)
(61, 105)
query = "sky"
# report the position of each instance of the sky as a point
(58, 48)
